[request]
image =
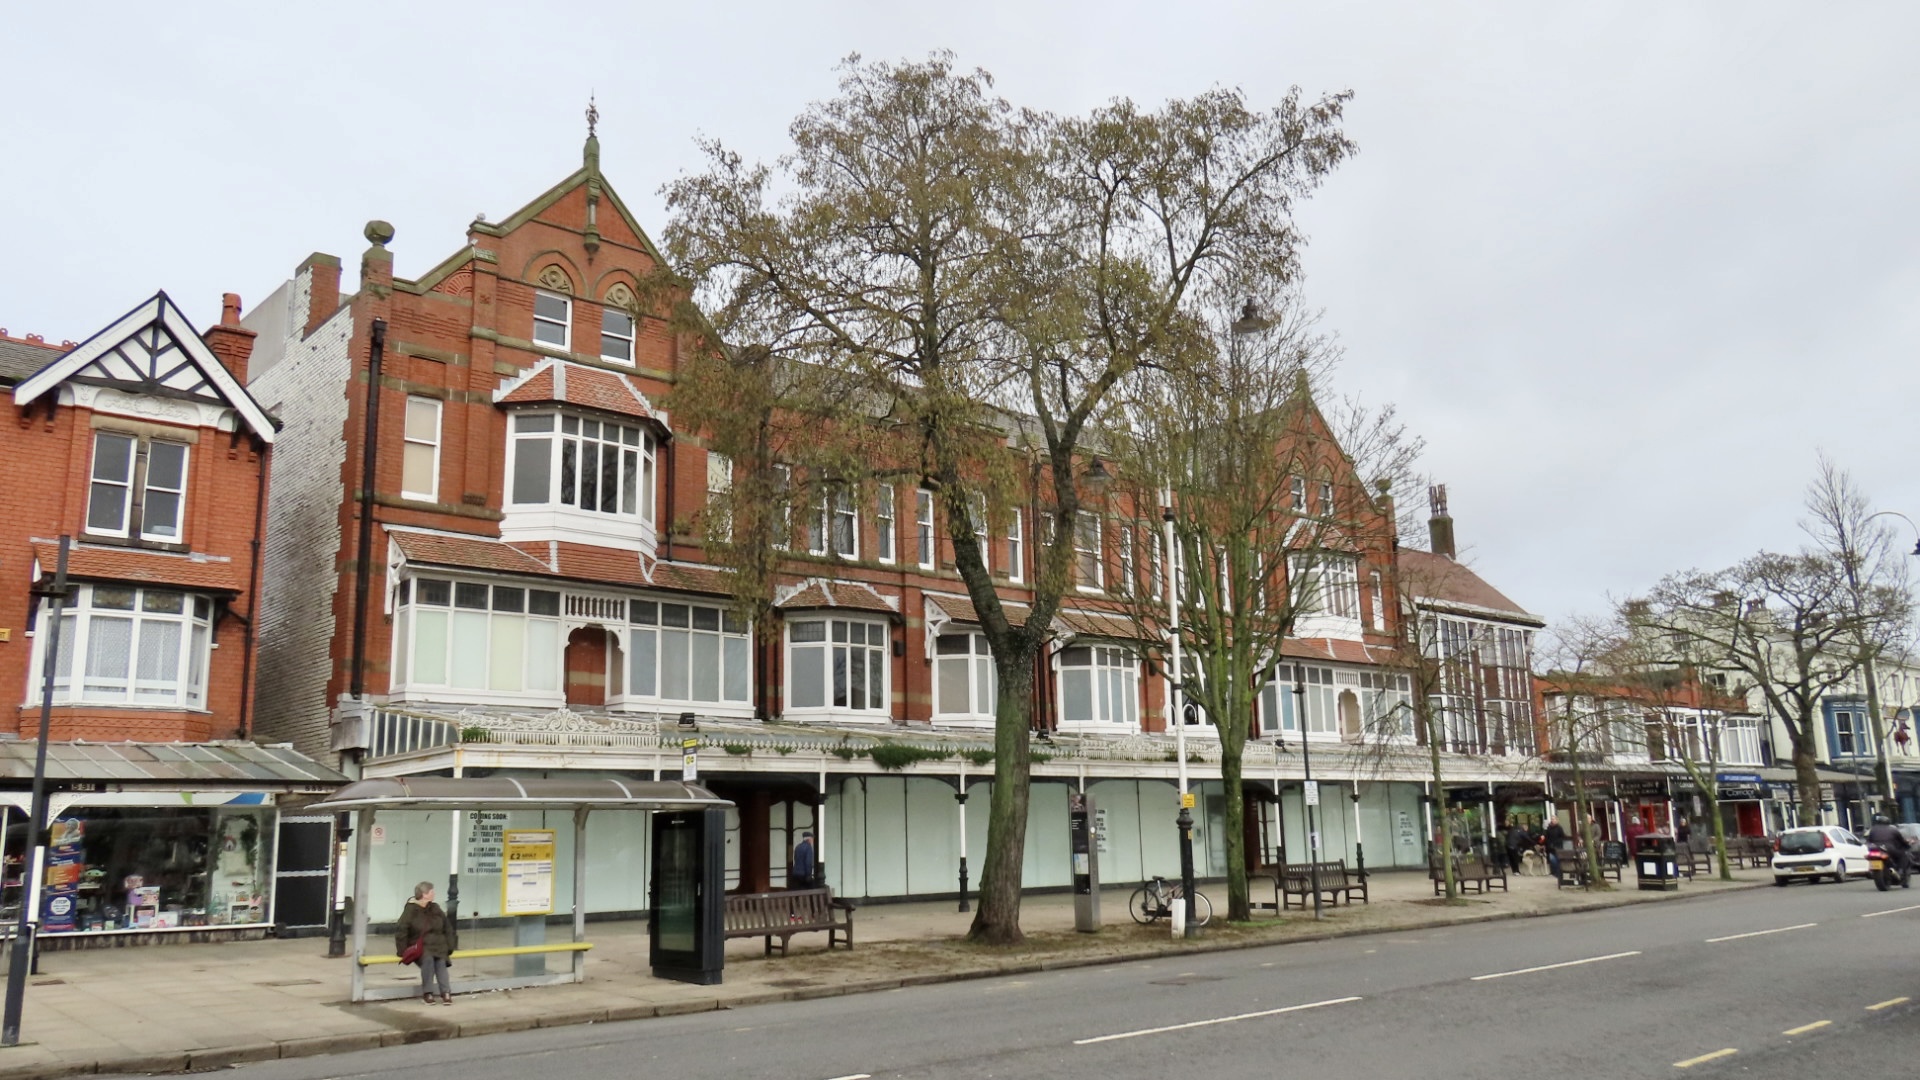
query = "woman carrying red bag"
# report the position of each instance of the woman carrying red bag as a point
(425, 924)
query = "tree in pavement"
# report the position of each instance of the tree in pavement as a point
(1582, 711)
(1261, 504)
(1789, 625)
(1841, 522)
(965, 276)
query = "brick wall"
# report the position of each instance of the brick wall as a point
(307, 390)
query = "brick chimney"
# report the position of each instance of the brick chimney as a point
(323, 290)
(230, 341)
(1440, 525)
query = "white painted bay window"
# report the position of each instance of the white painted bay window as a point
(471, 635)
(121, 645)
(1099, 684)
(838, 666)
(572, 463)
(963, 678)
(1278, 702)
(686, 654)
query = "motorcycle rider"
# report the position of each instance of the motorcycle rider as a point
(1899, 853)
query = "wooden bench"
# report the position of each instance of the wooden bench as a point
(1749, 852)
(1471, 874)
(1573, 865)
(1696, 857)
(789, 912)
(1296, 880)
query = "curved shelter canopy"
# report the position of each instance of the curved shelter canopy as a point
(515, 793)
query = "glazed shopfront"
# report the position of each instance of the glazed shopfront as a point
(156, 841)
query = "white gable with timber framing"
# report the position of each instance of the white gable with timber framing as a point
(150, 352)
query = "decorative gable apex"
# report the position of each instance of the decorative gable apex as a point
(151, 351)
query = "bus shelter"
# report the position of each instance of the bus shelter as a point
(688, 803)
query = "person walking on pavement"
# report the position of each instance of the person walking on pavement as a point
(423, 921)
(1517, 843)
(800, 867)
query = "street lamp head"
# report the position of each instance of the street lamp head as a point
(1096, 475)
(1249, 321)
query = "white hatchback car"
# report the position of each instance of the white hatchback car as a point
(1815, 850)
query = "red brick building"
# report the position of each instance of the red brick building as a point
(531, 591)
(141, 445)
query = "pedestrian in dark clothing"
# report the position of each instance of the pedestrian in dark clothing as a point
(800, 868)
(422, 920)
(1517, 844)
(1683, 832)
(1556, 842)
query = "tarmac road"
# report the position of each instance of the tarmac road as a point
(1809, 980)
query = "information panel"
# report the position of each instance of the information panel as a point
(527, 884)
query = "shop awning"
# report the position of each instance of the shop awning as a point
(224, 765)
(514, 793)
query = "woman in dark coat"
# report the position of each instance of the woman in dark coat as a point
(423, 921)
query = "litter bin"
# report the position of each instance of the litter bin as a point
(1656, 860)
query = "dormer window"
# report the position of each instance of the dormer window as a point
(552, 319)
(597, 466)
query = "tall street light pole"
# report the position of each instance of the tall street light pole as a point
(1310, 793)
(33, 872)
(1176, 711)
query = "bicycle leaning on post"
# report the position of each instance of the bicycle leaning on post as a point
(1154, 901)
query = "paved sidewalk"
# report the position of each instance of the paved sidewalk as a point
(173, 1008)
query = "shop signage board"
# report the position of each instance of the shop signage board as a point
(689, 760)
(66, 861)
(526, 886)
(486, 842)
(1644, 787)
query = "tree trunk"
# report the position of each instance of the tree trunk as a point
(996, 919)
(1446, 832)
(1239, 908)
(1806, 775)
(1719, 832)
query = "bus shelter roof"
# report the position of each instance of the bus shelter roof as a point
(515, 793)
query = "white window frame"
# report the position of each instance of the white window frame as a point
(1326, 498)
(629, 338)
(976, 660)
(727, 637)
(410, 439)
(1127, 579)
(1086, 525)
(1016, 553)
(885, 523)
(719, 488)
(843, 524)
(981, 534)
(1299, 491)
(925, 540)
(783, 491)
(84, 678)
(837, 657)
(491, 620)
(1111, 674)
(135, 486)
(564, 321)
(645, 466)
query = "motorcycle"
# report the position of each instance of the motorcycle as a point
(1881, 867)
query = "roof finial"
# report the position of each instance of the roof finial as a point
(593, 115)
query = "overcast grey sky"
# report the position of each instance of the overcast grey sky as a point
(1626, 267)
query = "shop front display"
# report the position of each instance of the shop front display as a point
(154, 868)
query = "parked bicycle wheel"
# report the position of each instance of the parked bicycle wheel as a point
(1202, 908)
(1142, 907)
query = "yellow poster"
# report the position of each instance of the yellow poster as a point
(526, 886)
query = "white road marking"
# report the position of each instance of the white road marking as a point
(1215, 1020)
(1895, 911)
(1550, 967)
(1691, 1062)
(1804, 1028)
(1887, 1004)
(854, 1076)
(1763, 933)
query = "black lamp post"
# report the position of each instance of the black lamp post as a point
(31, 870)
(1310, 794)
